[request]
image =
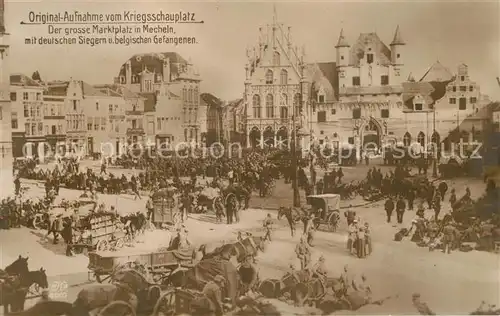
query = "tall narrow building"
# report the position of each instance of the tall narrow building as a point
(6, 183)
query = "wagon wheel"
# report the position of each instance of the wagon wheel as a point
(333, 221)
(117, 308)
(166, 304)
(102, 245)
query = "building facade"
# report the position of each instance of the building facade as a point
(54, 99)
(27, 119)
(6, 161)
(234, 122)
(175, 84)
(276, 87)
(213, 109)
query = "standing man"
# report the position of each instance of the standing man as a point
(303, 253)
(309, 230)
(449, 235)
(389, 208)
(453, 198)
(350, 215)
(400, 209)
(411, 198)
(437, 204)
(268, 226)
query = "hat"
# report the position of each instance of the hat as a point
(219, 279)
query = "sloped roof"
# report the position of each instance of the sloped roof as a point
(430, 91)
(154, 63)
(342, 42)
(437, 72)
(381, 50)
(210, 100)
(120, 90)
(236, 106)
(57, 88)
(23, 80)
(149, 102)
(89, 91)
(398, 39)
(325, 75)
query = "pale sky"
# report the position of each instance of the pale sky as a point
(451, 32)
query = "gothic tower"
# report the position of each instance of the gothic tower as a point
(398, 57)
(6, 161)
(342, 58)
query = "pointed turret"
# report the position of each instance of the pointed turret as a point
(342, 40)
(410, 78)
(398, 39)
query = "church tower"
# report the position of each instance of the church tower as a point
(6, 161)
(342, 59)
(398, 57)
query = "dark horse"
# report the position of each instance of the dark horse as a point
(14, 295)
(18, 267)
(292, 215)
(137, 222)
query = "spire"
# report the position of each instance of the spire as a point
(398, 40)
(342, 41)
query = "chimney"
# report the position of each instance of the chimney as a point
(166, 69)
(128, 72)
(2, 21)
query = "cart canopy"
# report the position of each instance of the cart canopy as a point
(331, 201)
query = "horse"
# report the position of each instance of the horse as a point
(146, 292)
(47, 308)
(249, 246)
(18, 267)
(15, 296)
(292, 215)
(97, 296)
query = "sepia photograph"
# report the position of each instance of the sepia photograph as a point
(164, 158)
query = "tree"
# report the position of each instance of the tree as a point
(36, 76)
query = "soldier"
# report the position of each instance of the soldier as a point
(248, 274)
(352, 235)
(453, 198)
(346, 279)
(319, 269)
(411, 198)
(340, 175)
(437, 204)
(422, 307)
(268, 226)
(303, 253)
(213, 293)
(350, 215)
(368, 239)
(309, 230)
(150, 207)
(400, 209)
(449, 235)
(389, 208)
(360, 243)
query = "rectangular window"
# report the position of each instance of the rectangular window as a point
(103, 123)
(463, 88)
(453, 101)
(472, 100)
(471, 88)
(384, 113)
(418, 106)
(321, 99)
(454, 89)
(334, 111)
(111, 108)
(369, 58)
(13, 96)
(46, 130)
(37, 111)
(74, 105)
(321, 116)
(97, 106)
(158, 124)
(26, 111)
(25, 96)
(356, 114)
(54, 131)
(384, 80)
(40, 127)
(462, 78)
(350, 140)
(90, 122)
(462, 105)
(27, 128)
(14, 123)
(356, 81)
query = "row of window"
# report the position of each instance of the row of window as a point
(32, 111)
(462, 88)
(256, 102)
(283, 77)
(190, 95)
(384, 80)
(27, 96)
(270, 112)
(462, 102)
(96, 123)
(161, 122)
(37, 129)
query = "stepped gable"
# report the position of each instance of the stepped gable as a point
(153, 62)
(381, 50)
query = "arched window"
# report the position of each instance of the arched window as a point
(195, 96)
(256, 106)
(269, 106)
(269, 77)
(421, 139)
(190, 95)
(296, 103)
(184, 94)
(407, 139)
(284, 77)
(284, 99)
(276, 59)
(435, 138)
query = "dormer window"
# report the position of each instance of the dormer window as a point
(369, 58)
(321, 98)
(269, 76)
(418, 106)
(276, 59)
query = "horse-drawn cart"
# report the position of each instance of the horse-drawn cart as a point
(326, 209)
(159, 265)
(209, 199)
(98, 231)
(165, 210)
